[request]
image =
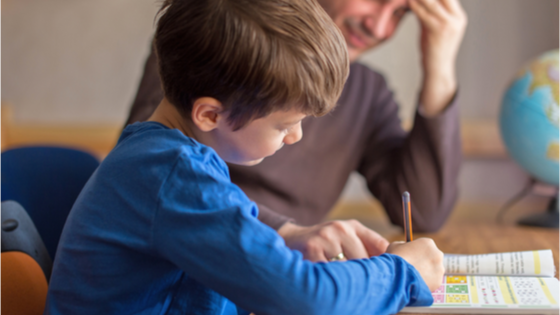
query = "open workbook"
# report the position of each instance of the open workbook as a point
(500, 283)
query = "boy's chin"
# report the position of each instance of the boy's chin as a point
(253, 162)
(246, 163)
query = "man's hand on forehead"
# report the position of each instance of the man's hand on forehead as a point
(437, 12)
(443, 25)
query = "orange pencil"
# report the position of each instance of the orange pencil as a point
(406, 216)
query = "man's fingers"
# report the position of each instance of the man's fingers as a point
(340, 237)
(422, 13)
(334, 251)
(325, 242)
(314, 251)
(434, 8)
(353, 248)
(315, 257)
(374, 243)
(431, 13)
(453, 6)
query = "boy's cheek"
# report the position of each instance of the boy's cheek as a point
(255, 150)
(267, 146)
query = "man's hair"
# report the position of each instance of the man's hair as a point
(254, 56)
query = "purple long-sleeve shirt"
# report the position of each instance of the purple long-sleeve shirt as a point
(363, 133)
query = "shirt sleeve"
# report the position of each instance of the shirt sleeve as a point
(208, 227)
(424, 162)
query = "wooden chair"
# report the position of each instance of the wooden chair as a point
(24, 286)
(20, 234)
(26, 265)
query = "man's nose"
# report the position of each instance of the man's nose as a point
(379, 26)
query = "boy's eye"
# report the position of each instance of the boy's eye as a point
(286, 129)
(289, 127)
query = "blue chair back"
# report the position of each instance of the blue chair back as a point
(46, 181)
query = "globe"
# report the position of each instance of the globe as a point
(529, 118)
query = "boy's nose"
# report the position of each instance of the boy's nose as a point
(295, 134)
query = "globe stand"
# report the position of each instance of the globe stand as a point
(548, 219)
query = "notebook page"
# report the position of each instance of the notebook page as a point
(493, 295)
(538, 263)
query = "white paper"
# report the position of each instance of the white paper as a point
(538, 263)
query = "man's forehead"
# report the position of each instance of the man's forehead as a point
(339, 4)
(399, 3)
(395, 3)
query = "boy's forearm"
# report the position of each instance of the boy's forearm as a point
(380, 285)
(263, 276)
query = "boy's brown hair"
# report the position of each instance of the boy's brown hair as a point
(254, 56)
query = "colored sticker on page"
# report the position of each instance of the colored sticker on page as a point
(457, 298)
(457, 288)
(440, 290)
(456, 279)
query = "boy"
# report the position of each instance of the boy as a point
(160, 229)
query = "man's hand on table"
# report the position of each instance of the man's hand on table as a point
(324, 241)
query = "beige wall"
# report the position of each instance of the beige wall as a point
(73, 60)
(79, 61)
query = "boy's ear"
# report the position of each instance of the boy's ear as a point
(206, 111)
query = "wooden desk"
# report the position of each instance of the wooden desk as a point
(471, 229)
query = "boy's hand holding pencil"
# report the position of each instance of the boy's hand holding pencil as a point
(423, 253)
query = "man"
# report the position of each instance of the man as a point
(362, 134)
